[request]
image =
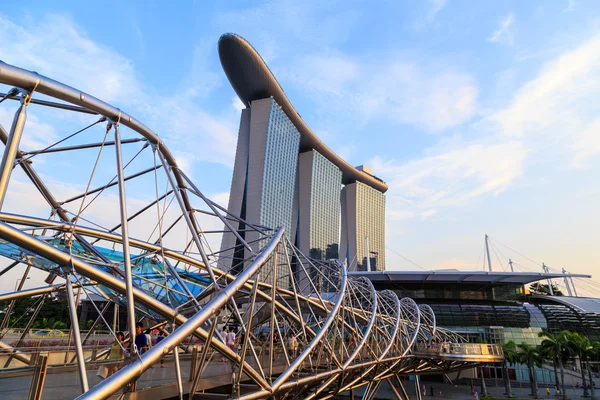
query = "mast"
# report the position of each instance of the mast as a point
(550, 290)
(511, 265)
(573, 285)
(567, 282)
(487, 251)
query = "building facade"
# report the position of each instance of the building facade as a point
(285, 176)
(363, 225)
(264, 177)
(495, 308)
(318, 223)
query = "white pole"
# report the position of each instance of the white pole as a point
(487, 251)
(545, 269)
(567, 283)
(573, 285)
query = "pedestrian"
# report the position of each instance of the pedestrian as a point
(231, 339)
(476, 395)
(141, 340)
(149, 337)
(431, 390)
(292, 345)
(116, 352)
(424, 390)
(547, 392)
(223, 335)
(161, 336)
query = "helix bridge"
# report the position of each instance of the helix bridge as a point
(100, 208)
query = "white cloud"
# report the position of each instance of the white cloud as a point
(570, 5)
(551, 119)
(449, 178)
(395, 89)
(237, 104)
(434, 7)
(36, 134)
(557, 112)
(503, 33)
(58, 48)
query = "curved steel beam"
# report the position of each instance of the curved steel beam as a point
(132, 371)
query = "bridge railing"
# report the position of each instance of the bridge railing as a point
(467, 349)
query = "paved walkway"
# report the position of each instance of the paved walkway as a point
(464, 392)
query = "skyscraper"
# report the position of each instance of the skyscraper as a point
(363, 224)
(264, 175)
(285, 176)
(319, 184)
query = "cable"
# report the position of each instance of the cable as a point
(511, 249)
(400, 255)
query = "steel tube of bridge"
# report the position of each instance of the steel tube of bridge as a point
(132, 371)
(12, 147)
(125, 241)
(188, 219)
(320, 334)
(55, 255)
(76, 335)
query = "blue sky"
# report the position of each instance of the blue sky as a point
(483, 117)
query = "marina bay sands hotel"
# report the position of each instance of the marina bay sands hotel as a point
(285, 176)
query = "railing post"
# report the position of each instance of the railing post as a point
(418, 387)
(76, 334)
(39, 378)
(12, 147)
(193, 363)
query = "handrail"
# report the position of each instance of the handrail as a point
(468, 349)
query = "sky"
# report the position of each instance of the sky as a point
(482, 117)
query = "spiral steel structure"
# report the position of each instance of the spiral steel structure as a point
(132, 227)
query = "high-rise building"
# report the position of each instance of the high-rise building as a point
(285, 176)
(264, 174)
(319, 184)
(363, 225)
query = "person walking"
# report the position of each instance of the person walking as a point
(141, 340)
(116, 352)
(231, 339)
(292, 345)
(161, 336)
(547, 392)
(431, 390)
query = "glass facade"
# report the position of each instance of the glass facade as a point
(279, 179)
(324, 226)
(370, 222)
(497, 313)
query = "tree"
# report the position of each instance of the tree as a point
(558, 348)
(529, 356)
(581, 344)
(510, 358)
(593, 354)
(542, 289)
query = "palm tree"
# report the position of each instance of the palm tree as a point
(581, 345)
(557, 347)
(593, 354)
(510, 358)
(588, 354)
(529, 355)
